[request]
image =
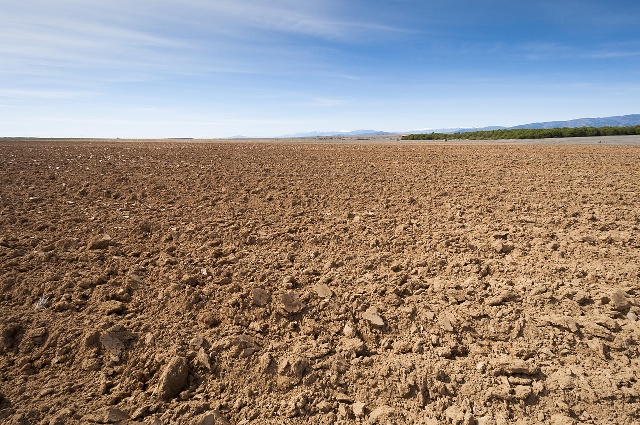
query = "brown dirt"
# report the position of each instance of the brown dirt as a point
(211, 283)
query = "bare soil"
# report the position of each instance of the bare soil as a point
(283, 283)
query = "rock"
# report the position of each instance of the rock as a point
(135, 280)
(203, 359)
(619, 301)
(372, 316)
(140, 412)
(112, 344)
(243, 346)
(190, 279)
(291, 303)
(560, 419)
(359, 409)
(109, 415)
(512, 366)
(113, 307)
(343, 398)
(380, 413)
(290, 370)
(213, 418)
(173, 379)
(501, 298)
(100, 242)
(522, 392)
(486, 420)
(61, 417)
(502, 247)
(323, 290)
(351, 346)
(289, 282)
(324, 406)
(447, 324)
(261, 297)
(348, 330)
(454, 414)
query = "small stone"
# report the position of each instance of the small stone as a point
(261, 297)
(454, 414)
(113, 307)
(291, 303)
(190, 279)
(343, 398)
(380, 413)
(100, 242)
(289, 282)
(140, 413)
(324, 406)
(501, 298)
(631, 316)
(502, 247)
(512, 366)
(372, 316)
(522, 392)
(349, 330)
(173, 379)
(112, 344)
(109, 415)
(560, 419)
(447, 324)
(358, 409)
(323, 290)
(486, 420)
(135, 280)
(203, 359)
(213, 418)
(351, 346)
(619, 301)
(402, 346)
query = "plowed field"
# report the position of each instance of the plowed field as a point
(283, 283)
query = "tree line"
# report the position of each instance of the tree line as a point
(529, 133)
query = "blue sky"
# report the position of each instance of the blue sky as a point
(264, 68)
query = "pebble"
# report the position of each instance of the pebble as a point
(100, 242)
(261, 297)
(112, 344)
(173, 378)
(511, 366)
(291, 303)
(323, 290)
(380, 413)
(502, 247)
(619, 301)
(113, 307)
(372, 316)
(447, 324)
(359, 409)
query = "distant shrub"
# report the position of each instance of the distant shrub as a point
(529, 133)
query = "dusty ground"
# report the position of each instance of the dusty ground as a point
(209, 283)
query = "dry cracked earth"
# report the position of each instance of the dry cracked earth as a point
(282, 283)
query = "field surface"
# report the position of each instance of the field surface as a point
(360, 282)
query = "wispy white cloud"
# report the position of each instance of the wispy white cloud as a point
(329, 101)
(176, 37)
(43, 94)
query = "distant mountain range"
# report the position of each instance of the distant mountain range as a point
(615, 121)
(339, 133)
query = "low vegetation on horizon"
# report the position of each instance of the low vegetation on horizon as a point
(529, 133)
